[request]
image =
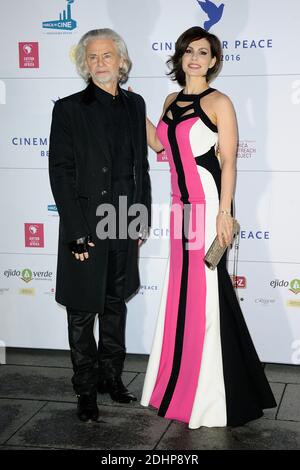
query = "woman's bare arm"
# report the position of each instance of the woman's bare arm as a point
(152, 139)
(228, 135)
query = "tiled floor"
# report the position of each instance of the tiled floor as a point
(38, 411)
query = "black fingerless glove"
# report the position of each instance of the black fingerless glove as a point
(81, 244)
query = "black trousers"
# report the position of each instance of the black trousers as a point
(92, 362)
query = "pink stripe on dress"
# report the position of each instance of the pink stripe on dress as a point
(182, 400)
(167, 353)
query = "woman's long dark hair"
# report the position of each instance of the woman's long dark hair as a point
(193, 34)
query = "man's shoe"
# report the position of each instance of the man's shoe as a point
(116, 389)
(87, 409)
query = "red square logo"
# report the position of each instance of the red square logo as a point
(161, 156)
(34, 235)
(29, 55)
(239, 282)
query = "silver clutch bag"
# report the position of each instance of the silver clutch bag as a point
(216, 251)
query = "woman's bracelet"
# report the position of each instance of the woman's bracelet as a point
(224, 212)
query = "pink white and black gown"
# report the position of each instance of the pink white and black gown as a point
(203, 367)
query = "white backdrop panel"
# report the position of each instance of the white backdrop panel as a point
(246, 28)
(271, 309)
(29, 194)
(266, 207)
(26, 118)
(143, 308)
(261, 73)
(29, 315)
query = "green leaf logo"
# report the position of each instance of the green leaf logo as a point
(295, 286)
(26, 275)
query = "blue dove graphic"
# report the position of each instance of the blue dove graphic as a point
(213, 12)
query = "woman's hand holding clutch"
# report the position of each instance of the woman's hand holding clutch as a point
(225, 228)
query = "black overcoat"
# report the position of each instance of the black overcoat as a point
(80, 178)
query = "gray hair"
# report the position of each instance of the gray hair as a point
(105, 33)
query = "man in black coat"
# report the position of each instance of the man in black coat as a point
(98, 153)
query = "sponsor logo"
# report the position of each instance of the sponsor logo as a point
(278, 283)
(34, 235)
(293, 303)
(28, 55)
(239, 282)
(295, 286)
(246, 149)
(65, 22)
(52, 208)
(264, 302)
(25, 291)
(213, 12)
(27, 275)
(161, 156)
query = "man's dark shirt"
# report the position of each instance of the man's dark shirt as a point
(113, 117)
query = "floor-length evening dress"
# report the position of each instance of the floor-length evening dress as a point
(203, 367)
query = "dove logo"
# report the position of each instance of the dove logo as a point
(29, 55)
(213, 12)
(65, 21)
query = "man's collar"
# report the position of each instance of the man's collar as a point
(104, 96)
(92, 92)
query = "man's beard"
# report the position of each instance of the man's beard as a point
(104, 80)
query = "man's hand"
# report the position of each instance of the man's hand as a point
(144, 234)
(80, 247)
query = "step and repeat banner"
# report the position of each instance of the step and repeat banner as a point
(261, 74)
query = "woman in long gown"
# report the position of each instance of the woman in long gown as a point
(203, 368)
